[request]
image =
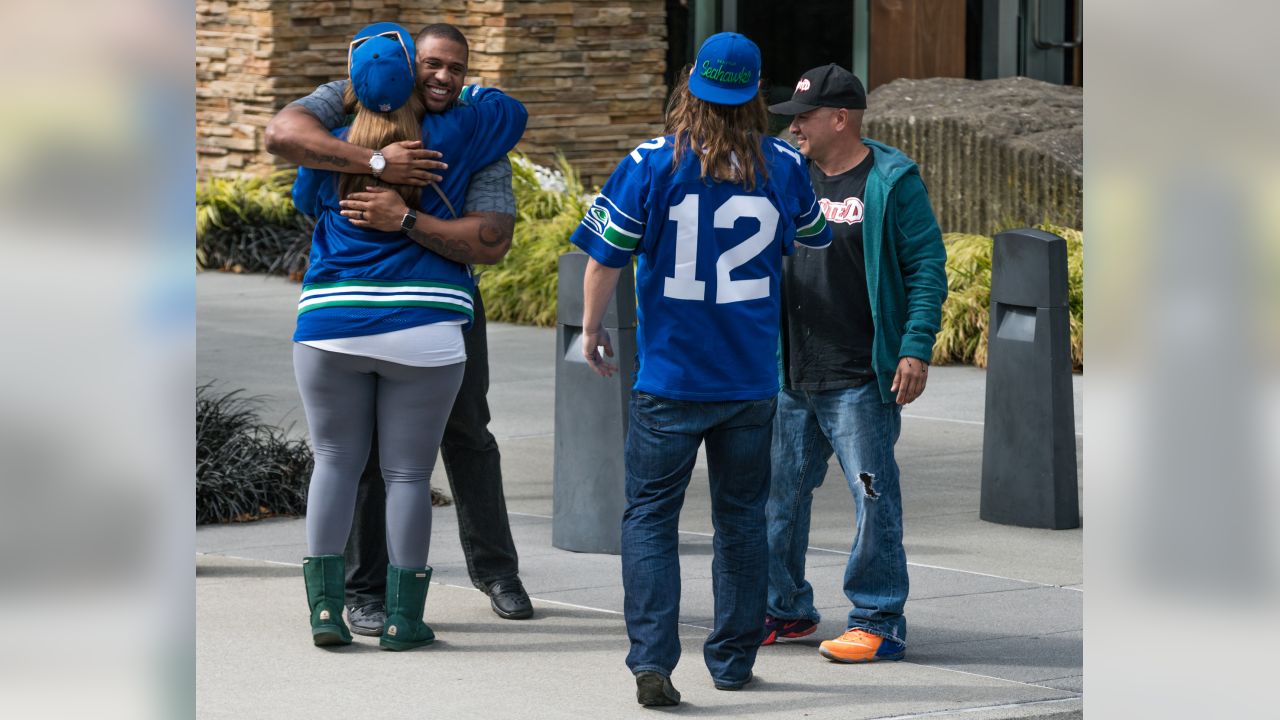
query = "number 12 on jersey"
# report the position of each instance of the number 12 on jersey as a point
(683, 283)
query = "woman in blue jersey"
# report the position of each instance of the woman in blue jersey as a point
(379, 333)
(708, 210)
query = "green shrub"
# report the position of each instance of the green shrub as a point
(549, 205)
(966, 313)
(249, 224)
(1075, 288)
(245, 469)
(963, 337)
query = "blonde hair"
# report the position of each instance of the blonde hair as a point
(376, 130)
(726, 138)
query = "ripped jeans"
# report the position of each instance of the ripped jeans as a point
(861, 431)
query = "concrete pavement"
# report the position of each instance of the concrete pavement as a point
(995, 612)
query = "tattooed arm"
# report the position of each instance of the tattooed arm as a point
(298, 136)
(477, 238)
(480, 238)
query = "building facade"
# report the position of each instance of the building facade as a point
(590, 72)
(595, 74)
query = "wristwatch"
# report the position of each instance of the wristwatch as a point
(407, 222)
(377, 163)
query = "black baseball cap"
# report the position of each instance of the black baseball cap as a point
(826, 86)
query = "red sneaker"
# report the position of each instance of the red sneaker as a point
(778, 628)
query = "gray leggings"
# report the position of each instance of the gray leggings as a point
(342, 395)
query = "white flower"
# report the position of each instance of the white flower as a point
(548, 178)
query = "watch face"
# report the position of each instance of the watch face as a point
(377, 162)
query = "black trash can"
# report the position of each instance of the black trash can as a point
(1029, 435)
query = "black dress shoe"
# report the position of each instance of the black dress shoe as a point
(654, 689)
(509, 600)
(367, 619)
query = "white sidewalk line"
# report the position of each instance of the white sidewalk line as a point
(846, 554)
(953, 420)
(984, 708)
(451, 585)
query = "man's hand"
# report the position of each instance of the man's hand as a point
(408, 163)
(910, 379)
(377, 208)
(593, 339)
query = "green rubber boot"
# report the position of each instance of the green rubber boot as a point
(406, 598)
(326, 580)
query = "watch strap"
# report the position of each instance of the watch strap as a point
(409, 220)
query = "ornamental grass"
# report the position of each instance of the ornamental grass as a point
(246, 469)
(966, 313)
(249, 225)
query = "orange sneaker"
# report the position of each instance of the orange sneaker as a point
(857, 646)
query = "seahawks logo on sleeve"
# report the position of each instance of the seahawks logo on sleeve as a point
(608, 222)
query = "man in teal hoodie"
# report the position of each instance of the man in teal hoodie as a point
(859, 321)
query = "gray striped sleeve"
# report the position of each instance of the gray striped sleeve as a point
(490, 189)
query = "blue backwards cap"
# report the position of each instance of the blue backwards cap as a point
(381, 66)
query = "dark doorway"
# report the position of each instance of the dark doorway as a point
(796, 36)
(680, 48)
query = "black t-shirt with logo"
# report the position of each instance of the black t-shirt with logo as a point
(827, 326)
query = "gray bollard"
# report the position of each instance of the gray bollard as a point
(591, 418)
(1029, 435)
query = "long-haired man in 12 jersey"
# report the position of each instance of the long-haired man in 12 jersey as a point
(708, 210)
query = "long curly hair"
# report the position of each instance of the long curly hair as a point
(376, 130)
(726, 138)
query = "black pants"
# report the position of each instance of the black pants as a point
(472, 464)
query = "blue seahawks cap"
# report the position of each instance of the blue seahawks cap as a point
(727, 71)
(381, 66)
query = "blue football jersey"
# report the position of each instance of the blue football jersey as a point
(709, 266)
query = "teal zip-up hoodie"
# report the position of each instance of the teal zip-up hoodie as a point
(906, 264)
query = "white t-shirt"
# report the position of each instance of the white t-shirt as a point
(432, 345)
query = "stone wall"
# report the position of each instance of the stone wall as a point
(995, 154)
(590, 72)
(234, 98)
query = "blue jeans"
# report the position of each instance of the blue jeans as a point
(662, 446)
(862, 431)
